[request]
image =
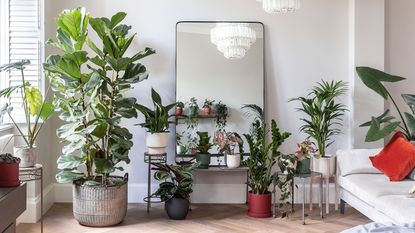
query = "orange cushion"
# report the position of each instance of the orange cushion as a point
(397, 159)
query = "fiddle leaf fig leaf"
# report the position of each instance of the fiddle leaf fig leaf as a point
(68, 176)
(135, 73)
(117, 18)
(103, 166)
(69, 162)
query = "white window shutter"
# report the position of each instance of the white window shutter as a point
(24, 42)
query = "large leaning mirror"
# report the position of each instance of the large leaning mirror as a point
(220, 68)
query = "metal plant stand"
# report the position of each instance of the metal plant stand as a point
(149, 159)
(34, 173)
(303, 178)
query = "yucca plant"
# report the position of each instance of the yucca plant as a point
(324, 114)
(383, 125)
(36, 107)
(90, 86)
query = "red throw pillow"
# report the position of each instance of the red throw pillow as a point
(397, 159)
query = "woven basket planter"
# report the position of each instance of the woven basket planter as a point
(97, 206)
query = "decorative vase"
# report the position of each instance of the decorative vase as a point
(177, 208)
(233, 161)
(326, 165)
(26, 154)
(157, 142)
(179, 111)
(9, 175)
(303, 166)
(99, 206)
(259, 205)
(204, 160)
(207, 110)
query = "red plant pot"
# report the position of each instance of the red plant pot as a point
(9, 175)
(179, 111)
(259, 205)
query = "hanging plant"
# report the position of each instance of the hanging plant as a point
(221, 111)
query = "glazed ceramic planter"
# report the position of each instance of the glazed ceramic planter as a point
(177, 208)
(326, 165)
(204, 160)
(26, 154)
(99, 206)
(233, 161)
(9, 175)
(157, 142)
(259, 205)
(303, 166)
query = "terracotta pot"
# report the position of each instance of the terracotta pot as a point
(157, 142)
(179, 111)
(259, 205)
(26, 154)
(9, 175)
(207, 110)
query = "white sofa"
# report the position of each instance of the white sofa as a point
(370, 192)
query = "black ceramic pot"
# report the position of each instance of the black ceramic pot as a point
(177, 208)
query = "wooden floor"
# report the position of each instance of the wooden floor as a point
(203, 218)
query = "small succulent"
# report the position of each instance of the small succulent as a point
(8, 158)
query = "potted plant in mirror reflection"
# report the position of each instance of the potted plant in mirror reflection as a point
(324, 117)
(304, 151)
(204, 145)
(221, 112)
(227, 142)
(207, 107)
(36, 110)
(180, 147)
(179, 108)
(192, 112)
(175, 187)
(157, 123)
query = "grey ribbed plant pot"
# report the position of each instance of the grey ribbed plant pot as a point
(97, 206)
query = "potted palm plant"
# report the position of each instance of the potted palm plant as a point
(36, 110)
(203, 155)
(175, 188)
(157, 124)
(324, 116)
(90, 86)
(262, 157)
(9, 170)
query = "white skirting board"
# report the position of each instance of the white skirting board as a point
(202, 193)
(32, 213)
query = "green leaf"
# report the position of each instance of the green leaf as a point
(410, 101)
(94, 48)
(34, 100)
(20, 65)
(143, 54)
(69, 162)
(410, 119)
(92, 183)
(382, 119)
(9, 90)
(156, 97)
(103, 166)
(116, 19)
(66, 176)
(47, 111)
(375, 131)
(127, 112)
(161, 175)
(94, 81)
(135, 73)
(125, 102)
(372, 78)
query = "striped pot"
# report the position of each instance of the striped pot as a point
(98, 206)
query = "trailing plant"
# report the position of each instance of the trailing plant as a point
(324, 114)
(176, 180)
(383, 125)
(262, 155)
(192, 111)
(221, 111)
(204, 143)
(208, 103)
(36, 108)
(156, 119)
(287, 165)
(90, 92)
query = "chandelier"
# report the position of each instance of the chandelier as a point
(280, 6)
(233, 39)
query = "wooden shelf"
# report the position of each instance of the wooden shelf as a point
(198, 117)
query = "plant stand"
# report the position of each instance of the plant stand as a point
(149, 159)
(32, 174)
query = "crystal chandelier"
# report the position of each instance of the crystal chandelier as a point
(280, 6)
(233, 39)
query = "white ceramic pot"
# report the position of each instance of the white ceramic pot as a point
(157, 142)
(27, 155)
(233, 161)
(325, 165)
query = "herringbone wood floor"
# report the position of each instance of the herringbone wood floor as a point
(204, 218)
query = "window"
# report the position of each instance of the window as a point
(21, 38)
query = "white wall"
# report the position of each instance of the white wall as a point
(301, 49)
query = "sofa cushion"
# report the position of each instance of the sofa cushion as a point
(368, 187)
(397, 159)
(398, 207)
(356, 161)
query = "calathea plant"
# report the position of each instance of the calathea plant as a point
(383, 125)
(90, 92)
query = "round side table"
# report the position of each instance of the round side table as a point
(34, 173)
(149, 159)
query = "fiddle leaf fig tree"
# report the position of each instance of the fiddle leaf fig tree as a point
(90, 92)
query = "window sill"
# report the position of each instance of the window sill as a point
(5, 127)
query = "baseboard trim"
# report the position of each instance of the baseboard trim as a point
(32, 213)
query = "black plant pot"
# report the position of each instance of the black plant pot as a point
(177, 208)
